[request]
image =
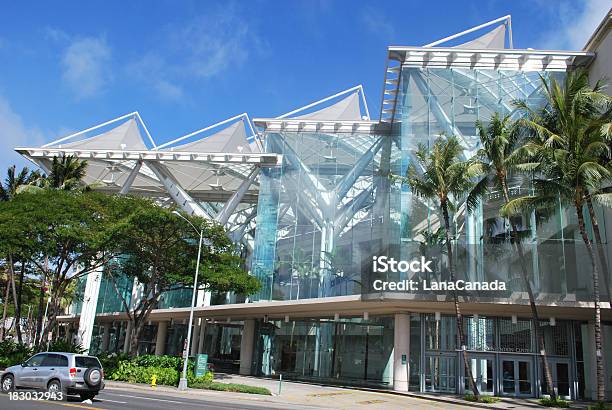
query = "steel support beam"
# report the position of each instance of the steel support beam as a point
(349, 179)
(231, 205)
(130, 179)
(178, 194)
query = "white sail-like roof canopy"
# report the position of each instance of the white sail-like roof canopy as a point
(193, 174)
(347, 109)
(124, 137)
(231, 139)
(494, 39)
(337, 115)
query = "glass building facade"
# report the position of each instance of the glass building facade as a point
(334, 204)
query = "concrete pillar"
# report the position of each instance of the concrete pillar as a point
(202, 335)
(106, 336)
(195, 336)
(246, 346)
(401, 352)
(88, 311)
(160, 340)
(128, 333)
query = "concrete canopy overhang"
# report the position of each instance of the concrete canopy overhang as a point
(355, 306)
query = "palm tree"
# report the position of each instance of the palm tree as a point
(568, 142)
(500, 156)
(445, 179)
(14, 182)
(66, 172)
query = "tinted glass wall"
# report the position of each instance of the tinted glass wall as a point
(347, 350)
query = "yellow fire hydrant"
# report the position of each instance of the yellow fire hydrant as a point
(154, 381)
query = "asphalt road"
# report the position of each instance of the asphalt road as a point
(112, 398)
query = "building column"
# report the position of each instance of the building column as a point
(246, 346)
(202, 335)
(88, 311)
(195, 337)
(401, 352)
(128, 333)
(160, 340)
(106, 336)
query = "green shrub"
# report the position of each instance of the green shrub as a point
(600, 406)
(12, 353)
(128, 371)
(59, 346)
(232, 387)
(554, 403)
(482, 399)
(207, 378)
(149, 360)
(110, 362)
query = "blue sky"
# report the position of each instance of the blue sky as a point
(65, 66)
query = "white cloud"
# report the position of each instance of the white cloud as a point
(377, 23)
(202, 48)
(86, 66)
(575, 22)
(14, 133)
(152, 70)
(215, 42)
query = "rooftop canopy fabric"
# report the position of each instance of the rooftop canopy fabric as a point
(125, 137)
(494, 40)
(346, 109)
(232, 139)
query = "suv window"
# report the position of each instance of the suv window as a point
(86, 361)
(36, 361)
(55, 360)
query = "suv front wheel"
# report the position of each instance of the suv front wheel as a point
(8, 383)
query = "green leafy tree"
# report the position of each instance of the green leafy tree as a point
(501, 156)
(445, 179)
(66, 235)
(159, 250)
(569, 142)
(14, 183)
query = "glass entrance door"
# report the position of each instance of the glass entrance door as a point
(483, 370)
(560, 372)
(516, 375)
(440, 373)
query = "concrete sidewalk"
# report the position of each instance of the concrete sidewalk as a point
(318, 396)
(313, 393)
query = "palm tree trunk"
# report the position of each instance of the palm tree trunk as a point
(14, 292)
(41, 303)
(6, 297)
(598, 342)
(459, 318)
(19, 299)
(539, 335)
(600, 249)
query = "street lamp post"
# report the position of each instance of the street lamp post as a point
(183, 381)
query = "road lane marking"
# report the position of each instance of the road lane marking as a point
(80, 406)
(149, 398)
(112, 401)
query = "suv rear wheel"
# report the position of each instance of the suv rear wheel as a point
(8, 383)
(55, 386)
